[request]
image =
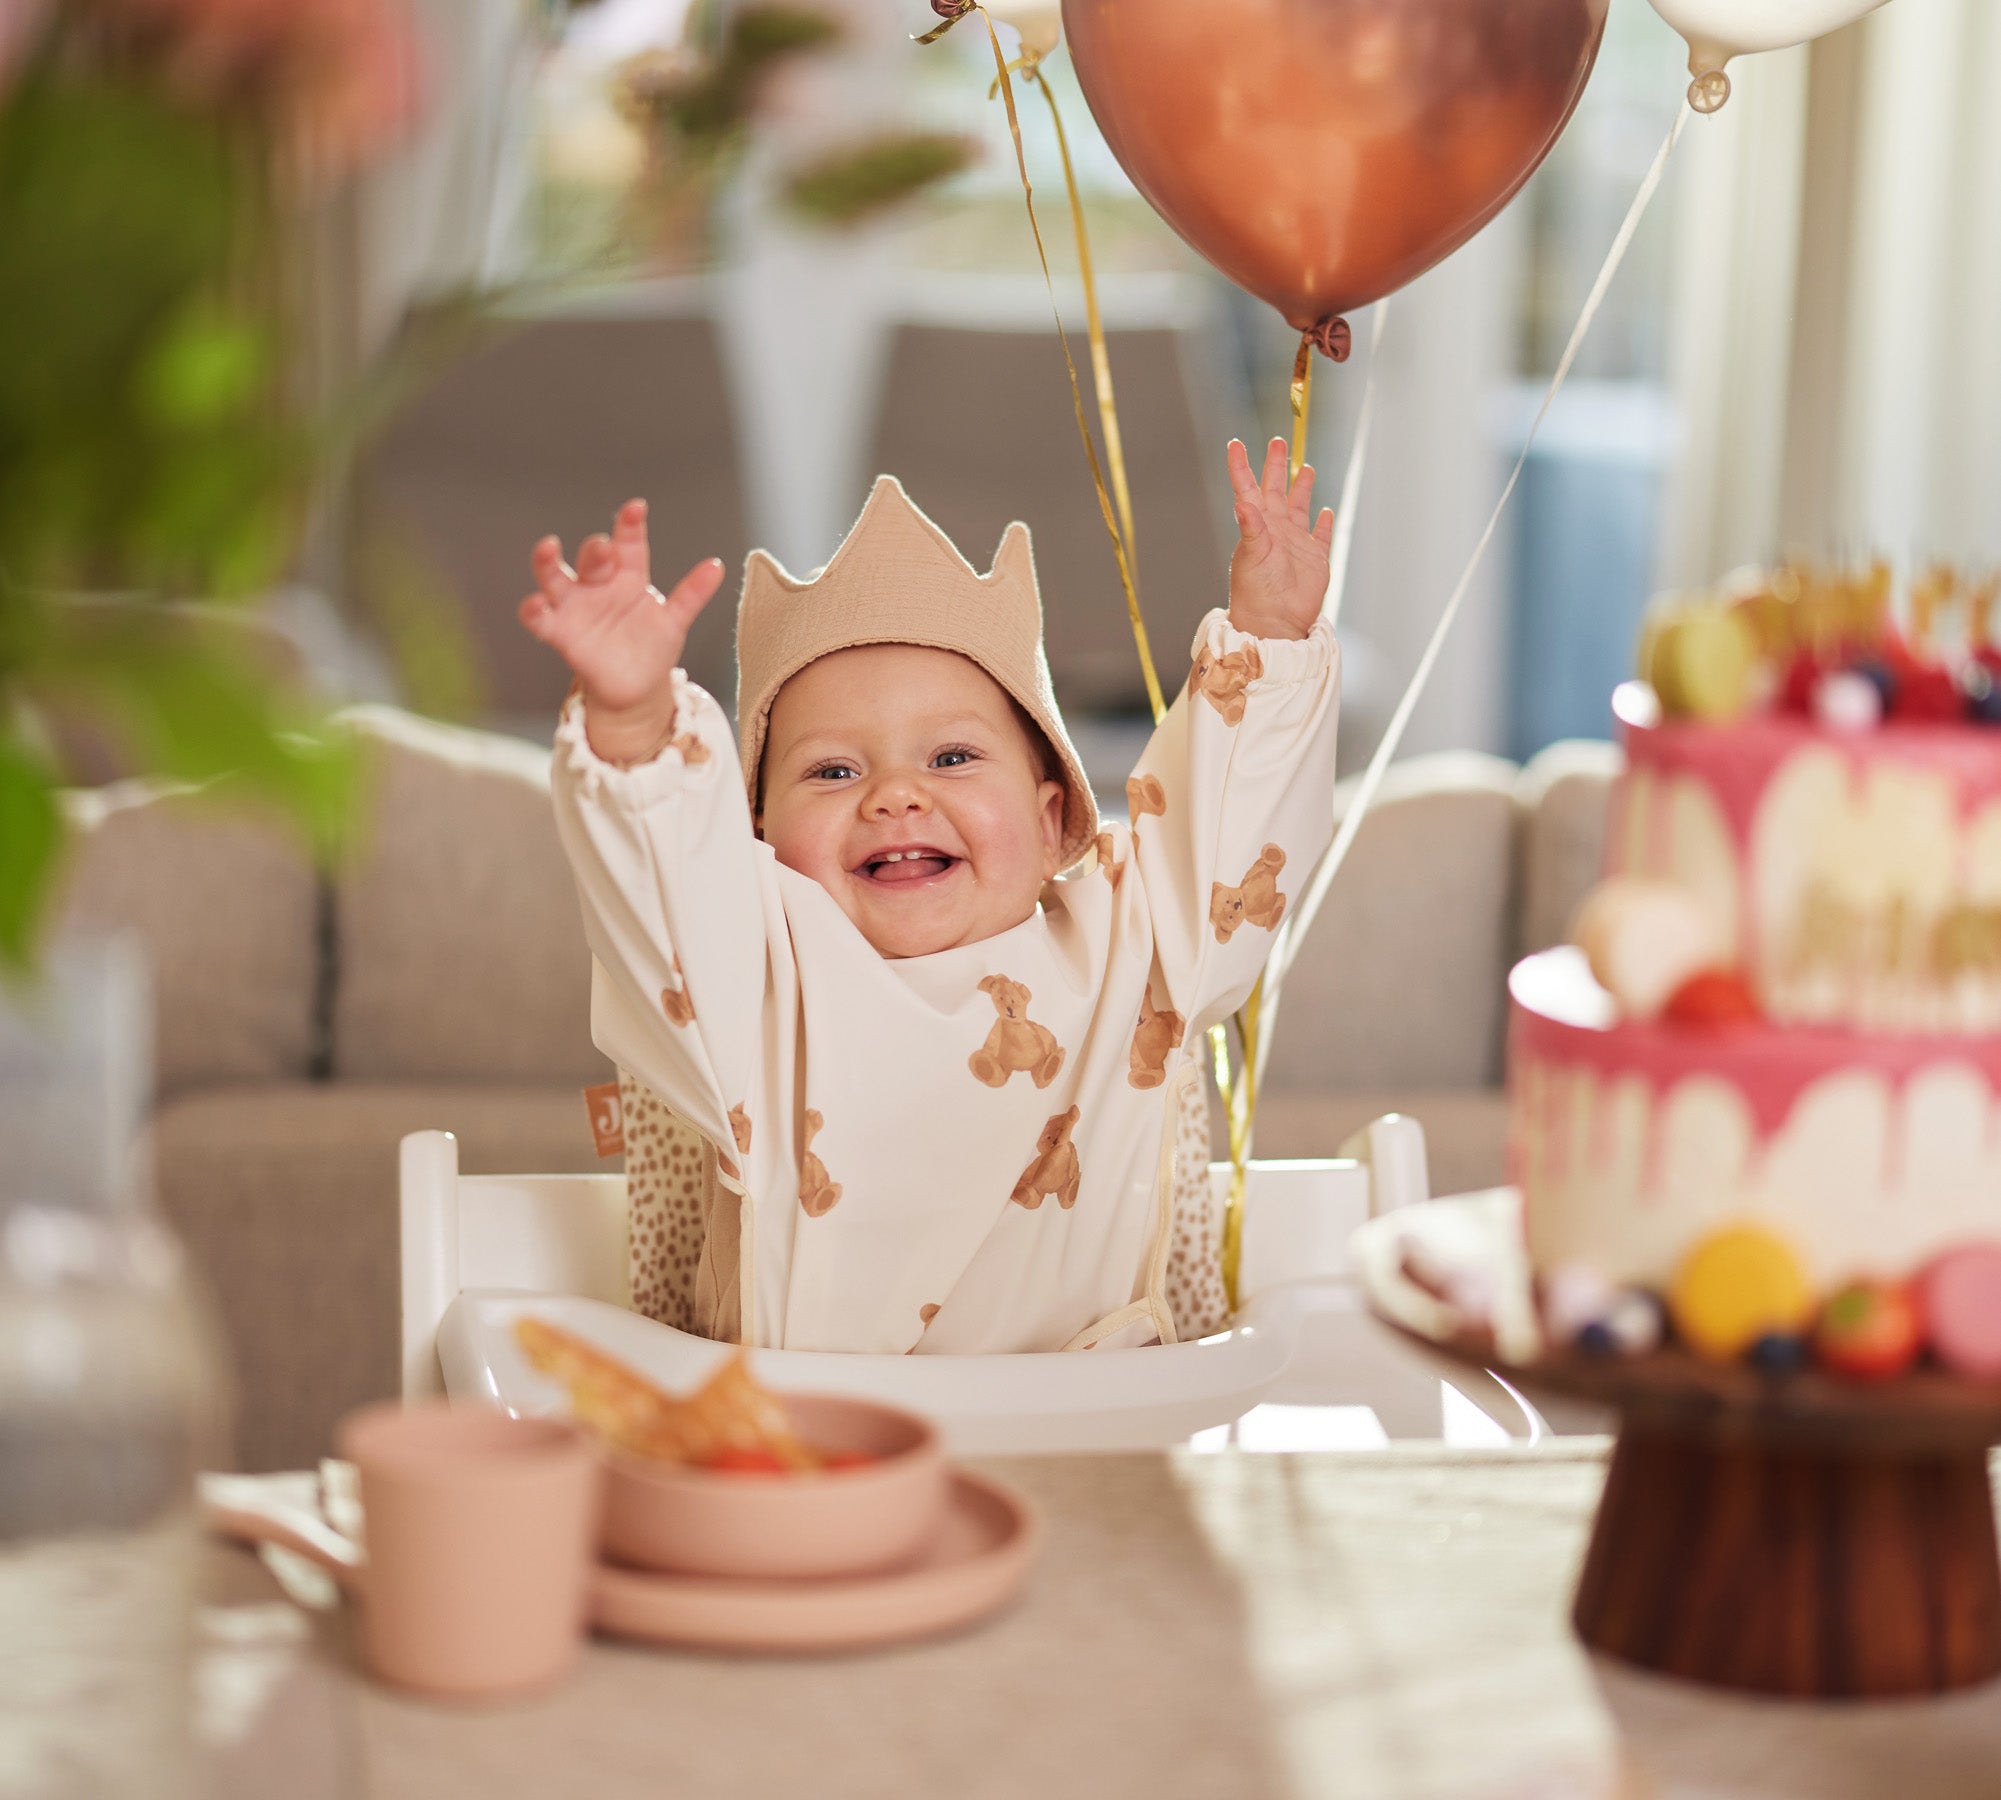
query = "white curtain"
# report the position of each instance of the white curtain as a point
(1837, 365)
(1736, 253)
(447, 210)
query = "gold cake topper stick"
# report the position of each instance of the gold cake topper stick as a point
(1931, 594)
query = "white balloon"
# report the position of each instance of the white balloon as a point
(1717, 30)
(1040, 22)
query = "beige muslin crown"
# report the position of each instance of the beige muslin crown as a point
(898, 579)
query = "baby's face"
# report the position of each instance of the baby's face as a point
(902, 780)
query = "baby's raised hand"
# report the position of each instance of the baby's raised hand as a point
(620, 635)
(1278, 573)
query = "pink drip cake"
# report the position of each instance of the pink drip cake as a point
(1784, 1007)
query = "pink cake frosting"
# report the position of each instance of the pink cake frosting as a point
(1629, 1140)
(1857, 877)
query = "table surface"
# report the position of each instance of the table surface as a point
(1387, 1624)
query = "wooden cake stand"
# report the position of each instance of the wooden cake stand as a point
(1792, 1534)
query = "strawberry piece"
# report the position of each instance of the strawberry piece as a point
(744, 1460)
(1869, 1331)
(1712, 997)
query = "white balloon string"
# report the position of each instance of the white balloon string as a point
(1351, 483)
(1299, 919)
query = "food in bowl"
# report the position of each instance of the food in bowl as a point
(731, 1423)
(734, 1480)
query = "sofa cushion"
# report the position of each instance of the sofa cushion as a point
(1401, 981)
(459, 945)
(1564, 792)
(286, 1197)
(1465, 1129)
(227, 907)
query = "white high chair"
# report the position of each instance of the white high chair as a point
(479, 1251)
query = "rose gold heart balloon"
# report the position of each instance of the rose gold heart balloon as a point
(1322, 153)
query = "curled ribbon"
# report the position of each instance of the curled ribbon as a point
(1118, 524)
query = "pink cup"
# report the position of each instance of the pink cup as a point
(481, 1536)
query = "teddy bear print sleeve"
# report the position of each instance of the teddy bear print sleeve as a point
(676, 903)
(1232, 806)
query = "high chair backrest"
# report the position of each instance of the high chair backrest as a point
(537, 1234)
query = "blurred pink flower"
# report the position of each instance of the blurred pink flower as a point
(338, 77)
(20, 21)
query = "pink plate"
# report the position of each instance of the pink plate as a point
(974, 1566)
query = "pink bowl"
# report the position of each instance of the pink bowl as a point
(827, 1522)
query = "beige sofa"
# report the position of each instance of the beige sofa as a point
(441, 980)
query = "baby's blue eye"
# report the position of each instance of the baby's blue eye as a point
(951, 759)
(827, 771)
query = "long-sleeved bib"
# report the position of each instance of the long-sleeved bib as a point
(971, 1150)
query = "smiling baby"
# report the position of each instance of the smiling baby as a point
(924, 1092)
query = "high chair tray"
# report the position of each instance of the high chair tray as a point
(985, 1405)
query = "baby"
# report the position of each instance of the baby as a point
(923, 1095)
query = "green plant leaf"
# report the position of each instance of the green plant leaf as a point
(860, 180)
(31, 835)
(204, 369)
(194, 699)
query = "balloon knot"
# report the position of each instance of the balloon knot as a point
(1708, 91)
(1332, 338)
(951, 9)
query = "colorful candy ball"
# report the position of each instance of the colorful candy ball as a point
(1575, 1296)
(1739, 1284)
(1847, 701)
(1636, 1322)
(1983, 695)
(1959, 1302)
(1869, 1331)
(1778, 1353)
(1880, 676)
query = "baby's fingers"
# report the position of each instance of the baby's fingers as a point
(1301, 502)
(693, 592)
(1242, 482)
(597, 561)
(1277, 459)
(553, 575)
(628, 536)
(541, 619)
(1323, 528)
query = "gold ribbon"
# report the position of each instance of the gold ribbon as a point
(1240, 1095)
(1239, 1089)
(1118, 525)
(1302, 398)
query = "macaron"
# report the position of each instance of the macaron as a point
(1702, 660)
(1738, 1284)
(1959, 1302)
(1644, 939)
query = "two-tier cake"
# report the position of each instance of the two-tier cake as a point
(1784, 1007)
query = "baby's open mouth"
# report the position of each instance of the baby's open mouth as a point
(898, 868)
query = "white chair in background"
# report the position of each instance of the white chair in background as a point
(479, 1251)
